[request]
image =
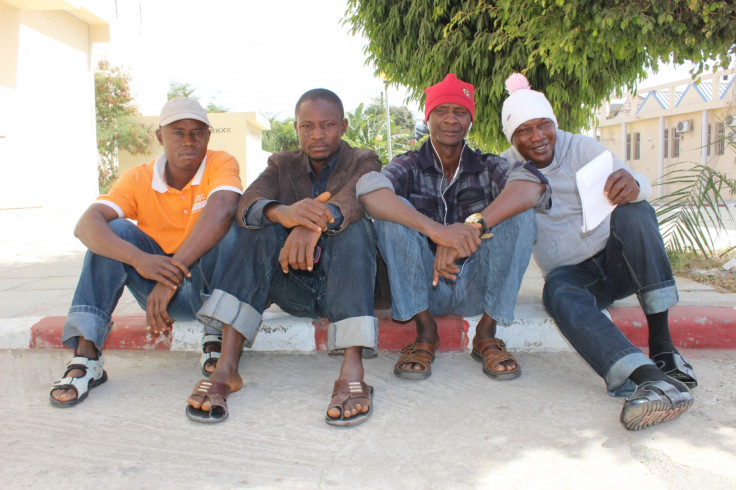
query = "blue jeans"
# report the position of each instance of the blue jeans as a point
(633, 261)
(102, 280)
(340, 286)
(488, 282)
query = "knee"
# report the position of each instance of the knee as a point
(633, 214)
(124, 228)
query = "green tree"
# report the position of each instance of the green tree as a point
(367, 128)
(282, 135)
(114, 108)
(577, 51)
(179, 89)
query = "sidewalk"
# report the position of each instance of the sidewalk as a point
(39, 274)
(554, 427)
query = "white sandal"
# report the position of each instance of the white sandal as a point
(94, 375)
(209, 357)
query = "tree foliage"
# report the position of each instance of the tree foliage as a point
(282, 135)
(181, 89)
(114, 108)
(578, 52)
(367, 128)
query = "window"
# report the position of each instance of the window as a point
(675, 144)
(628, 146)
(637, 146)
(720, 138)
(708, 140)
(666, 143)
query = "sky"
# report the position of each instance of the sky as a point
(249, 55)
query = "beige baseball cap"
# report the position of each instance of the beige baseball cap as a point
(180, 108)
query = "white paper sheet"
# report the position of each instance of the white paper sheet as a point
(591, 180)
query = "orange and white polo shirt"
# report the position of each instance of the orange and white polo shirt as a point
(166, 214)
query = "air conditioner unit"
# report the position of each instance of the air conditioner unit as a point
(730, 120)
(684, 127)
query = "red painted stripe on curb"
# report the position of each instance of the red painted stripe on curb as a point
(394, 336)
(129, 332)
(692, 327)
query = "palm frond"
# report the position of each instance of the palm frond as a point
(691, 215)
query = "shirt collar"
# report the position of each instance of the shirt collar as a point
(159, 180)
(330, 165)
(468, 160)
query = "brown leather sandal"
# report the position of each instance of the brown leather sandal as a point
(217, 393)
(343, 391)
(418, 353)
(492, 351)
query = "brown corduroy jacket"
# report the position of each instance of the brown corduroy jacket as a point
(286, 180)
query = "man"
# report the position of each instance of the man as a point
(451, 227)
(308, 247)
(183, 203)
(586, 271)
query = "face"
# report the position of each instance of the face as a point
(535, 140)
(185, 143)
(449, 124)
(320, 127)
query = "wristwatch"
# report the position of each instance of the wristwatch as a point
(478, 218)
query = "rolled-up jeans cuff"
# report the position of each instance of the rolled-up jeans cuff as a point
(359, 331)
(660, 299)
(223, 308)
(86, 322)
(618, 375)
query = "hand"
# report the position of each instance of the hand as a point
(163, 269)
(157, 316)
(621, 187)
(309, 213)
(464, 238)
(298, 250)
(444, 265)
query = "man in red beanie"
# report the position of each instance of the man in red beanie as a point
(453, 227)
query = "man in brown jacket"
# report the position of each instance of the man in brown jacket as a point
(308, 247)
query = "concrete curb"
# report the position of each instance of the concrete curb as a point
(692, 327)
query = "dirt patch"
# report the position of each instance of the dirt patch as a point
(706, 270)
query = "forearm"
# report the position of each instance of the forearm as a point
(96, 234)
(517, 197)
(386, 205)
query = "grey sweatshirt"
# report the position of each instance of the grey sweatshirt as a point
(561, 240)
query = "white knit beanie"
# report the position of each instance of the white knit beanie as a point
(522, 105)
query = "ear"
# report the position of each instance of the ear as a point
(159, 137)
(343, 126)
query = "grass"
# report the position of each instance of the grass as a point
(705, 270)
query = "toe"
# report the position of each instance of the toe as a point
(333, 412)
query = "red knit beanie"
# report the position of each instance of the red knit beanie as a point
(451, 90)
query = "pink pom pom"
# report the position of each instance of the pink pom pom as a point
(517, 81)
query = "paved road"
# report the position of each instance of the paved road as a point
(554, 427)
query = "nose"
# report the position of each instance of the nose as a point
(188, 139)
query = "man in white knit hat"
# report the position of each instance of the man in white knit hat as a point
(586, 271)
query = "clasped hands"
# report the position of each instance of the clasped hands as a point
(454, 241)
(168, 272)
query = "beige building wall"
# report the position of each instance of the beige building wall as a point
(238, 133)
(47, 115)
(690, 113)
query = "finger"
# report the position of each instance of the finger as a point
(324, 197)
(284, 260)
(180, 266)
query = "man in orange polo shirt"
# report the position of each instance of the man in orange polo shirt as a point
(183, 204)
